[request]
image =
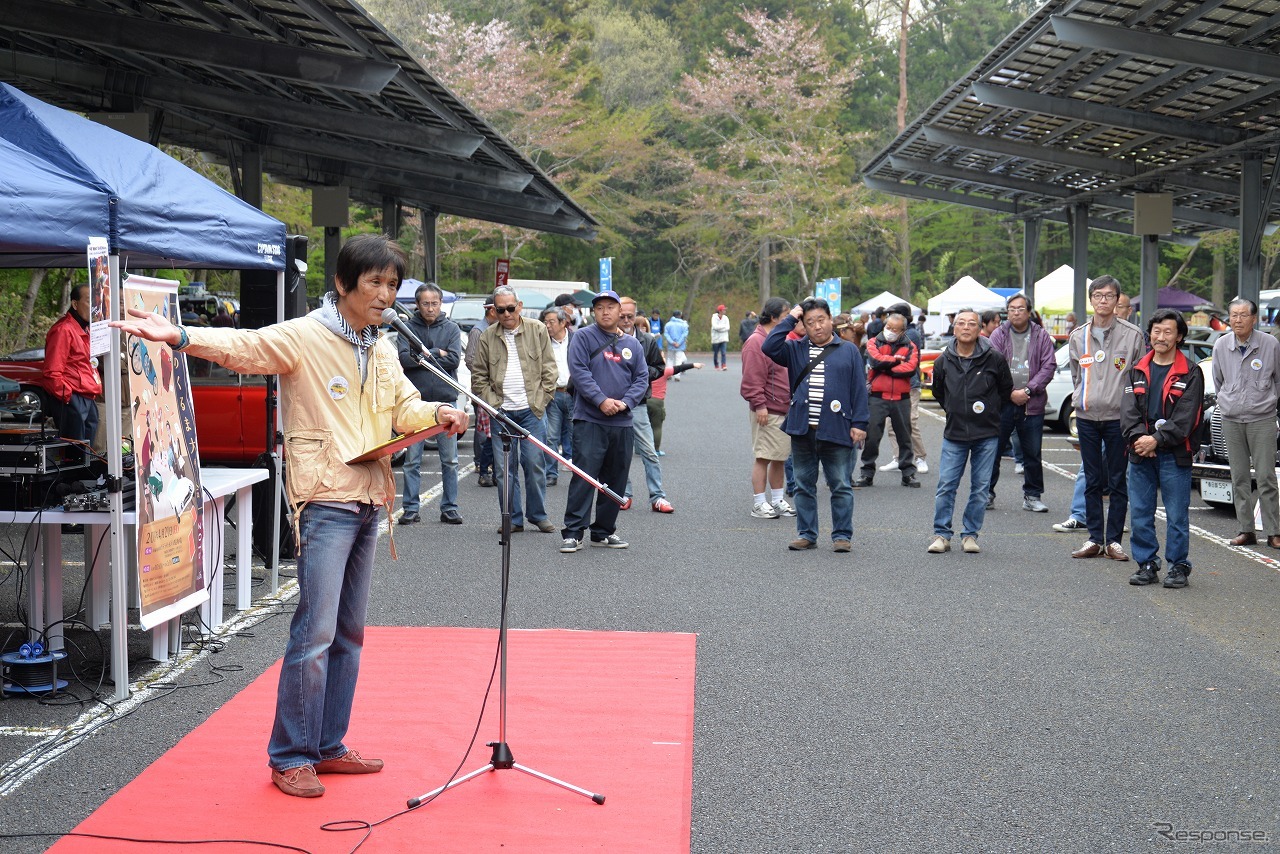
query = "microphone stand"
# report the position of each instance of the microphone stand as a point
(512, 434)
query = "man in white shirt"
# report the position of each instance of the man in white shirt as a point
(720, 339)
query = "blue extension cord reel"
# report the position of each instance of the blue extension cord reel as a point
(32, 670)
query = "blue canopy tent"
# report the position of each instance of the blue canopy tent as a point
(64, 179)
(154, 211)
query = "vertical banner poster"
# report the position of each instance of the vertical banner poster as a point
(502, 272)
(99, 297)
(171, 577)
(829, 290)
(606, 274)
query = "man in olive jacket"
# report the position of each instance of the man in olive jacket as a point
(515, 371)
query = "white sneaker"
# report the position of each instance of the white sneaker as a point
(921, 465)
(764, 510)
(1070, 525)
(889, 466)
(1017, 468)
(783, 508)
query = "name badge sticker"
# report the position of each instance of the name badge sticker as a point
(1086, 361)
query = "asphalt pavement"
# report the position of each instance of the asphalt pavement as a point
(884, 700)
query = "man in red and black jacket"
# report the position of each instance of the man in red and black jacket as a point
(892, 359)
(1161, 410)
(70, 375)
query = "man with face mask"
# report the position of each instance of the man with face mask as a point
(892, 359)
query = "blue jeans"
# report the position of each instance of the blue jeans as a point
(558, 422)
(788, 469)
(645, 450)
(483, 448)
(718, 354)
(322, 658)
(1077, 497)
(807, 452)
(981, 456)
(448, 446)
(1174, 483)
(1103, 450)
(535, 473)
(1029, 430)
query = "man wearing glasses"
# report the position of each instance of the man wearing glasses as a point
(1246, 373)
(1101, 353)
(515, 371)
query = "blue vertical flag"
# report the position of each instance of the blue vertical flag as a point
(829, 290)
(606, 274)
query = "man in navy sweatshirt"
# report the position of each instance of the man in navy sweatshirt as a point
(609, 378)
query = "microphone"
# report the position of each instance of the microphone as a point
(391, 318)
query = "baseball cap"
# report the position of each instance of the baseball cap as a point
(613, 295)
(567, 299)
(720, 307)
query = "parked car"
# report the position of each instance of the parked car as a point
(10, 392)
(1211, 471)
(26, 367)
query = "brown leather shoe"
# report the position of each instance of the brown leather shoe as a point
(1089, 549)
(846, 546)
(1115, 552)
(349, 763)
(298, 782)
(1274, 541)
(799, 544)
(1246, 538)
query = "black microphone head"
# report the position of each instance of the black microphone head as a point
(389, 316)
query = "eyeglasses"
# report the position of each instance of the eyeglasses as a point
(1103, 296)
(506, 309)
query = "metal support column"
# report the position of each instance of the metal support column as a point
(1030, 255)
(1251, 225)
(391, 217)
(251, 175)
(1149, 276)
(430, 256)
(1078, 214)
(332, 245)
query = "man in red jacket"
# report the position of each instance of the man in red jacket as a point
(70, 375)
(892, 359)
(768, 393)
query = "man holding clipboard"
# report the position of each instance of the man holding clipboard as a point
(342, 393)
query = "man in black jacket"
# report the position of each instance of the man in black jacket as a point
(443, 340)
(1162, 406)
(971, 382)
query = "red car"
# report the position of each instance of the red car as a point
(231, 411)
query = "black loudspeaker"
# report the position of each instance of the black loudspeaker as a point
(258, 288)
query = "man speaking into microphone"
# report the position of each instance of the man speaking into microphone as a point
(342, 392)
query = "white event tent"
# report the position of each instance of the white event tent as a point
(1055, 293)
(883, 300)
(966, 293)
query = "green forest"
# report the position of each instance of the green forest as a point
(718, 145)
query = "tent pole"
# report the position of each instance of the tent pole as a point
(273, 447)
(115, 468)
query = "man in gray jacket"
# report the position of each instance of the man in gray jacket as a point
(1102, 351)
(1246, 372)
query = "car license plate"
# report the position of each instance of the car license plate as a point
(1218, 491)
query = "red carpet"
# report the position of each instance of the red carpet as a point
(611, 712)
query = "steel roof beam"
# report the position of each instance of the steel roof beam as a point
(928, 194)
(214, 49)
(1179, 49)
(1089, 111)
(1074, 159)
(984, 179)
(171, 91)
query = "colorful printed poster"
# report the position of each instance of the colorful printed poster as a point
(171, 578)
(99, 297)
